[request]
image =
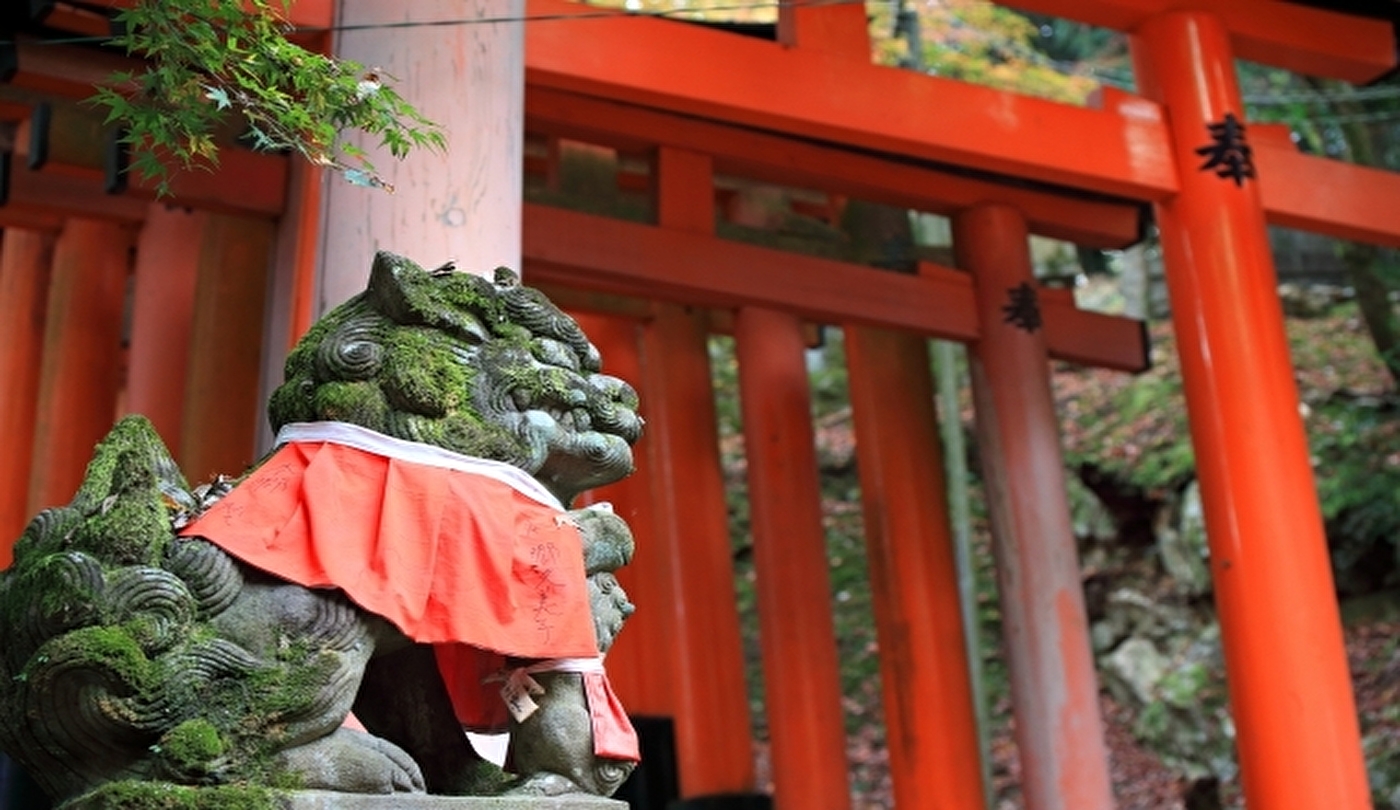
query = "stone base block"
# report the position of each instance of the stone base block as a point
(131, 795)
(324, 800)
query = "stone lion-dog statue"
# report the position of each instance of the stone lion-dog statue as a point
(402, 566)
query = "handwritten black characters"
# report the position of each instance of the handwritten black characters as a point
(1227, 153)
(1023, 311)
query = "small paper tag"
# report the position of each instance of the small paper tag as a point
(516, 693)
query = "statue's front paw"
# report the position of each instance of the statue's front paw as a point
(602, 779)
(353, 762)
(545, 784)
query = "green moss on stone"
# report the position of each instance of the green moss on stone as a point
(291, 403)
(45, 535)
(422, 373)
(132, 530)
(513, 333)
(127, 520)
(281, 692)
(467, 433)
(137, 795)
(409, 294)
(361, 403)
(147, 630)
(470, 292)
(301, 361)
(106, 647)
(192, 745)
(47, 582)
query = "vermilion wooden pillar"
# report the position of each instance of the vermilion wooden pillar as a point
(25, 261)
(221, 392)
(709, 697)
(291, 290)
(1289, 689)
(1064, 762)
(82, 356)
(640, 665)
(162, 311)
(930, 716)
(711, 710)
(802, 683)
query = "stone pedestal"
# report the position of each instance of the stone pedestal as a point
(139, 796)
(324, 800)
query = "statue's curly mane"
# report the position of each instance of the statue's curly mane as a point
(118, 669)
(461, 362)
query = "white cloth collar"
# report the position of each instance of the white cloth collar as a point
(370, 441)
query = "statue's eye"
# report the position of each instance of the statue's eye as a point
(554, 353)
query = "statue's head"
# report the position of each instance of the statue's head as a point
(483, 368)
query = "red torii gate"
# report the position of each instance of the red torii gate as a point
(1278, 613)
(822, 117)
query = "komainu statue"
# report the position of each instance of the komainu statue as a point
(402, 566)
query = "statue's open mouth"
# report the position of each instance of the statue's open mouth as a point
(581, 426)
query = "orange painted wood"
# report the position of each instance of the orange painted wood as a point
(12, 111)
(311, 14)
(1290, 692)
(835, 28)
(1312, 41)
(82, 355)
(67, 17)
(1064, 762)
(710, 698)
(221, 392)
(575, 300)
(580, 250)
(75, 141)
(29, 220)
(300, 13)
(243, 182)
(641, 665)
(713, 745)
(307, 209)
(68, 71)
(1301, 191)
(162, 315)
(684, 191)
(291, 285)
(930, 717)
(52, 194)
(1325, 196)
(671, 65)
(1084, 337)
(25, 263)
(801, 163)
(800, 673)
(584, 250)
(461, 204)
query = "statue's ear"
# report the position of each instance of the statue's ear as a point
(392, 282)
(409, 295)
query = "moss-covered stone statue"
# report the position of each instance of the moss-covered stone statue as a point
(403, 565)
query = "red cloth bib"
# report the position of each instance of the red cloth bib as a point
(456, 559)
